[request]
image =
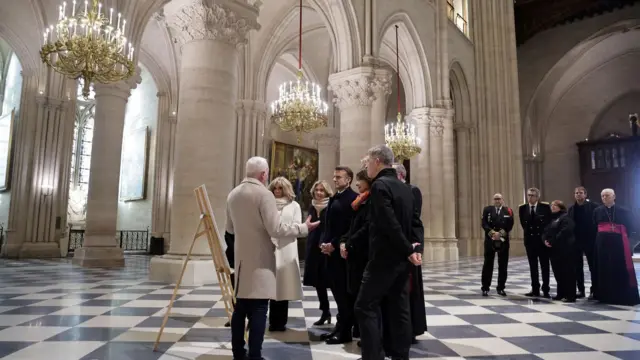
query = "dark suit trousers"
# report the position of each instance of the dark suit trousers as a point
(339, 289)
(562, 261)
(538, 252)
(389, 283)
(487, 267)
(587, 248)
(278, 313)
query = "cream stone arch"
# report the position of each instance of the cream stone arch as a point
(548, 93)
(414, 68)
(339, 21)
(462, 99)
(159, 75)
(19, 37)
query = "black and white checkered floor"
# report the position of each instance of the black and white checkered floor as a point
(52, 310)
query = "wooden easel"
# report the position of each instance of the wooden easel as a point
(207, 226)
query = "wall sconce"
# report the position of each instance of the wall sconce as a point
(47, 189)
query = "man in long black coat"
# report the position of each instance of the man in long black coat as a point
(391, 256)
(416, 286)
(584, 232)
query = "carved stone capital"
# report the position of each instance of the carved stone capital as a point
(326, 137)
(436, 126)
(121, 89)
(359, 86)
(227, 20)
(420, 116)
(251, 107)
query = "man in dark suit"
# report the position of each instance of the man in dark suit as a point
(585, 232)
(416, 286)
(338, 220)
(534, 216)
(497, 222)
(391, 256)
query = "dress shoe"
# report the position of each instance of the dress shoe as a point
(325, 336)
(325, 318)
(502, 293)
(273, 328)
(532, 294)
(335, 340)
(485, 293)
(580, 295)
(227, 324)
(546, 295)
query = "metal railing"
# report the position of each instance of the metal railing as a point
(133, 241)
(451, 11)
(461, 23)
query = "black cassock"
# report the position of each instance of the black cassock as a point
(416, 295)
(614, 280)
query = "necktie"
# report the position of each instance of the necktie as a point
(533, 211)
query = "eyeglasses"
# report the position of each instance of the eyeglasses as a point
(497, 199)
(532, 195)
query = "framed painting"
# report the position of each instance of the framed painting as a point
(134, 164)
(299, 165)
(6, 147)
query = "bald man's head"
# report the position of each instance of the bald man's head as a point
(498, 200)
(608, 197)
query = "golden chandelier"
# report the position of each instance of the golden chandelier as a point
(299, 107)
(400, 136)
(86, 44)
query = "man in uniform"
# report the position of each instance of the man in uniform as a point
(534, 217)
(497, 222)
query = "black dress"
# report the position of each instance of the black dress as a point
(614, 280)
(559, 234)
(357, 244)
(314, 262)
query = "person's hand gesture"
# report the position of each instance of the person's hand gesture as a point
(311, 225)
(415, 259)
(343, 250)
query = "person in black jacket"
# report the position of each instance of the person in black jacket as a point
(314, 262)
(534, 217)
(558, 236)
(585, 232)
(338, 220)
(391, 256)
(497, 222)
(354, 245)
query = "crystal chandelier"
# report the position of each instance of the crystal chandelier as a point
(401, 136)
(87, 44)
(299, 107)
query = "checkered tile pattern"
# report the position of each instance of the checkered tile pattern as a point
(52, 310)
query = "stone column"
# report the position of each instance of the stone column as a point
(209, 35)
(328, 140)
(381, 88)
(533, 171)
(420, 168)
(436, 200)
(464, 192)
(40, 169)
(100, 248)
(165, 146)
(449, 186)
(354, 95)
(500, 137)
(251, 115)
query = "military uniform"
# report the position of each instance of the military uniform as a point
(496, 220)
(534, 219)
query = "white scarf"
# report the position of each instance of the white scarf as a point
(320, 205)
(282, 202)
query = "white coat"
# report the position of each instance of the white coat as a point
(288, 283)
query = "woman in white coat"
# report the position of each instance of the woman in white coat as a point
(288, 286)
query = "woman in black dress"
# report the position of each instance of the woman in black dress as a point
(558, 236)
(314, 264)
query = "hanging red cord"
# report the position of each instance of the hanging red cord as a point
(300, 41)
(398, 71)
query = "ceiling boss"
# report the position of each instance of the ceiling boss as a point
(88, 42)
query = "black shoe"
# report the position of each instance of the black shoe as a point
(325, 318)
(333, 333)
(485, 293)
(336, 340)
(546, 295)
(502, 293)
(532, 294)
(580, 295)
(568, 300)
(273, 328)
(227, 324)
(557, 298)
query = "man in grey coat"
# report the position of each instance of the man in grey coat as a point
(253, 218)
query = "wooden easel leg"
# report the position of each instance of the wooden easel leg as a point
(175, 290)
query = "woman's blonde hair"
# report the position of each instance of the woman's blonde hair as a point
(287, 188)
(325, 185)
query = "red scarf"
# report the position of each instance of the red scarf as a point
(358, 201)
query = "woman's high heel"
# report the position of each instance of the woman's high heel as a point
(325, 318)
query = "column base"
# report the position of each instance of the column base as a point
(440, 250)
(199, 271)
(99, 257)
(39, 251)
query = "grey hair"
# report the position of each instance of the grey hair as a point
(382, 153)
(401, 170)
(608, 191)
(534, 190)
(255, 166)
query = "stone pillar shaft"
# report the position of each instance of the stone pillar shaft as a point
(381, 88)
(420, 173)
(209, 35)
(165, 146)
(328, 140)
(100, 247)
(437, 200)
(251, 115)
